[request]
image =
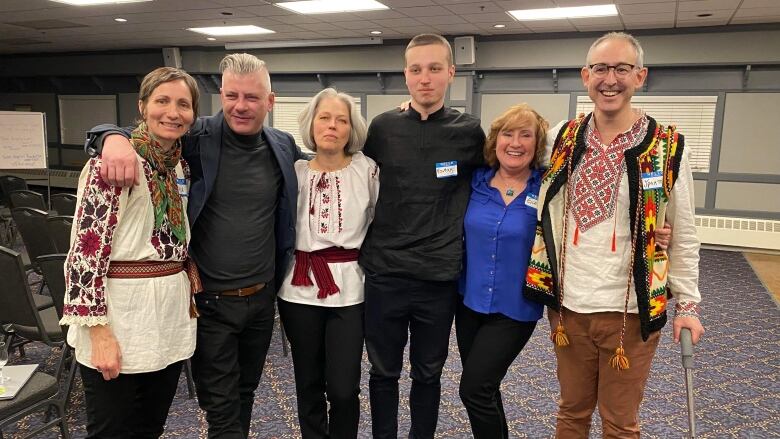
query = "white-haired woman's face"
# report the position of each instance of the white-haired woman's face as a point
(331, 126)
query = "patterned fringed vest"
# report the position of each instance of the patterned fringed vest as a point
(660, 153)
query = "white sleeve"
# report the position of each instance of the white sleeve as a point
(684, 248)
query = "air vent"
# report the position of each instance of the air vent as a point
(739, 232)
(48, 24)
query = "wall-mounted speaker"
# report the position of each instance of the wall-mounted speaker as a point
(464, 50)
(171, 57)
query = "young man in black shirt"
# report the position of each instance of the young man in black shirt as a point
(412, 254)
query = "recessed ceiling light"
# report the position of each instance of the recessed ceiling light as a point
(704, 15)
(330, 6)
(220, 31)
(376, 32)
(211, 39)
(97, 2)
(120, 20)
(561, 13)
(499, 26)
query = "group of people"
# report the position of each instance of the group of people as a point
(388, 234)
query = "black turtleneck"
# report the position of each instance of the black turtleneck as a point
(418, 223)
(233, 238)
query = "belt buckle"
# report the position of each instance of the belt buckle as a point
(241, 292)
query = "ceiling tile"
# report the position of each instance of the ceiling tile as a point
(758, 3)
(486, 18)
(398, 22)
(707, 5)
(751, 20)
(444, 19)
(475, 8)
(716, 14)
(648, 8)
(423, 11)
(757, 12)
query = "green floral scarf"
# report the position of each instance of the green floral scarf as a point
(164, 192)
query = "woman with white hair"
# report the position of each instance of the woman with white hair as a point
(321, 298)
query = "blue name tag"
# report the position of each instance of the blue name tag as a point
(446, 169)
(531, 200)
(651, 180)
(181, 183)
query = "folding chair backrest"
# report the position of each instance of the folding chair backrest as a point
(59, 231)
(64, 204)
(16, 302)
(53, 269)
(27, 198)
(9, 183)
(31, 224)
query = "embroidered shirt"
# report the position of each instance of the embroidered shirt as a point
(596, 276)
(334, 210)
(148, 316)
(498, 244)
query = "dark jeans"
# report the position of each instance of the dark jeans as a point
(233, 338)
(398, 308)
(131, 405)
(488, 344)
(327, 349)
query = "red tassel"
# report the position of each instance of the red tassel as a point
(301, 270)
(576, 234)
(614, 241)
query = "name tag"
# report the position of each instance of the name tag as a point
(446, 169)
(531, 200)
(652, 180)
(181, 183)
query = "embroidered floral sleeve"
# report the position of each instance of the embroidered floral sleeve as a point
(88, 259)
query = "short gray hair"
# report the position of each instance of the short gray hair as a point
(630, 39)
(245, 64)
(358, 132)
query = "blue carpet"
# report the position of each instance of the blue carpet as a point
(737, 380)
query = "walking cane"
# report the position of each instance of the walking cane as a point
(686, 346)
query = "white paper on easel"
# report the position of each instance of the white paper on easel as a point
(22, 140)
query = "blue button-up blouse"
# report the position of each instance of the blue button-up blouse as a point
(498, 240)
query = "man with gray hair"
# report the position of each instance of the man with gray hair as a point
(242, 206)
(614, 175)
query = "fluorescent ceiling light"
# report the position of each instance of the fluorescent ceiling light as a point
(304, 43)
(560, 13)
(331, 6)
(222, 31)
(97, 2)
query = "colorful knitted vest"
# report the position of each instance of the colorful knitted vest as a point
(659, 154)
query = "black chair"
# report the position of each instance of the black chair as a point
(21, 319)
(31, 224)
(59, 232)
(28, 198)
(53, 269)
(9, 183)
(63, 204)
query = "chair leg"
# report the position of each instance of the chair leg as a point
(188, 376)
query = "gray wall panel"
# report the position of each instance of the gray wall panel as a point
(749, 143)
(762, 197)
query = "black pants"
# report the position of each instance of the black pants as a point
(488, 344)
(397, 308)
(327, 349)
(131, 405)
(233, 338)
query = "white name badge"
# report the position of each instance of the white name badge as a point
(652, 180)
(531, 200)
(181, 183)
(446, 169)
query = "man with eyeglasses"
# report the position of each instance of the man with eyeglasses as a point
(614, 174)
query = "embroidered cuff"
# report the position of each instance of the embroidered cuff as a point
(686, 309)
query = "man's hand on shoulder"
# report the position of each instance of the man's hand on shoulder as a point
(119, 162)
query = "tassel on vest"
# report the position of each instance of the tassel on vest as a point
(559, 336)
(619, 361)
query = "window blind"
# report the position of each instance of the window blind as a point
(694, 117)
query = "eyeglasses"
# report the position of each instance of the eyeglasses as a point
(621, 70)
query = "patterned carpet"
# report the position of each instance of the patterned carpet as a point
(737, 380)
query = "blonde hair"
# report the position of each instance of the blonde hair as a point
(161, 75)
(517, 116)
(357, 133)
(427, 40)
(245, 64)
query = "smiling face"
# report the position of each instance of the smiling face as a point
(516, 148)
(331, 126)
(246, 101)
(612, 93)
(168, 111)
(428, 73)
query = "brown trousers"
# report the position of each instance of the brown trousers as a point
(586, 378)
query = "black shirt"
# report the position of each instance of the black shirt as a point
(418, 225)
(233, 238)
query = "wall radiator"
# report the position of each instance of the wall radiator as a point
(37, 177)
(739, 232)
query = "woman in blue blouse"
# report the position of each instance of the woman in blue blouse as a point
(494, 321)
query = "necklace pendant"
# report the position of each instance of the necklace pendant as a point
(510, 192)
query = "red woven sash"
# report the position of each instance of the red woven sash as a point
(317, 262)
